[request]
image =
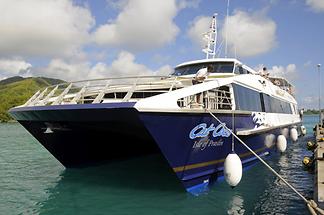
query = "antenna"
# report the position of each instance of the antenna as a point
(319, 94)
(226, 28)
(235, 49)
(211, 38)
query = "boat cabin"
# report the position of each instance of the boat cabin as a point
(223, 66)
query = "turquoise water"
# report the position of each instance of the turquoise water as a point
(33, 182)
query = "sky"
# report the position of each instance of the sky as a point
(83, 39)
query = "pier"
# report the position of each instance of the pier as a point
(319, 167)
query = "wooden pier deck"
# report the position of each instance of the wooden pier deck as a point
(319, 167)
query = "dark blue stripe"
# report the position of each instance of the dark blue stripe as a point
(75, 106)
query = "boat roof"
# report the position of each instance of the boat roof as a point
(214, 60)
(211, 60)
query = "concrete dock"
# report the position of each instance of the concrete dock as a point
(319, 167)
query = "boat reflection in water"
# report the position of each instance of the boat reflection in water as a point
(236, 206)
(113, 188)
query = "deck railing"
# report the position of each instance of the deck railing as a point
(95, 90)
(215, 99)
(129, 89)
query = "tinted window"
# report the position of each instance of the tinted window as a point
(273, 105)
(240, 70)
(223, 67)
(262, 102)
(247, 99)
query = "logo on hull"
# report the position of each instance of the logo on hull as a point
(201, 130)
(258, 119)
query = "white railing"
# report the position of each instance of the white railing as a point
(98, 90)
(215, 99)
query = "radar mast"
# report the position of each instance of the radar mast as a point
(211, 38)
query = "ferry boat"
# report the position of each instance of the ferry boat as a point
(88, 122)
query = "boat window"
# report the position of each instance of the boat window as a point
(273, 105)
(237, 70)
(219, 67)
(247, 99)
(262, 102)
(251, 100)
(240, 70)
(293, 108)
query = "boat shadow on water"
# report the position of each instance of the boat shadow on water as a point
(105, 184)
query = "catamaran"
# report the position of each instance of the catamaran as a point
(101, 120)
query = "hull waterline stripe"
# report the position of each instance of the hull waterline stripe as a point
(208, 163)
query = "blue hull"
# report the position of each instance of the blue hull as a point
(194, 145)
(199, 160)
(85, 135)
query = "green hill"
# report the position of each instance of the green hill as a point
(11, 80)
(16, 91)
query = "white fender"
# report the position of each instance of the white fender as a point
(303, 130)
(233, 169)
(281, 143)
(294, 134)
(285, 132)
(269, 140)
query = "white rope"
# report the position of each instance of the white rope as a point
(233, 128)
(309, 203)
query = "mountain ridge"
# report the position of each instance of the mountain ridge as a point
(16, 90)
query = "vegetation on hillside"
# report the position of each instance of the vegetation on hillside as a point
(312, 111)
(17, 90)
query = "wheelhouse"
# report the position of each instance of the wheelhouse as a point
(218, 67)
(223, 66)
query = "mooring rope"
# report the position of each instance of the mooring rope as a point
(310, 203)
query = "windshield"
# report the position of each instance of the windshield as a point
(219, 67)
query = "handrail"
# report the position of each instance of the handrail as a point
(113, 78)
(61, 93)
(213, 99)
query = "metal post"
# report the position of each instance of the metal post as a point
(319, 92)
(226, 29)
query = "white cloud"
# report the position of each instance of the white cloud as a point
(188, 3)
(197, 28)
(161, 58)
(164, 70)
(249, 34)
(141, 25)
(69, 71)
(289, 72)
(38, 27)
(316, 5)
(308, 64)
(308, 101)
(13, 67)
(117, 4)
(125, 65)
